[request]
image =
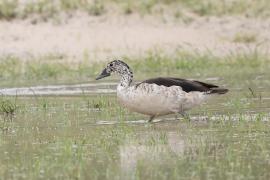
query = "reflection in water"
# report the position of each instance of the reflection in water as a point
(130, 154)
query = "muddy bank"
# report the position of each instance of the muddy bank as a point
(103, 38)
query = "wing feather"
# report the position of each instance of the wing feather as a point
(186, 85)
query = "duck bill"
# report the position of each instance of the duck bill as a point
(103, 74)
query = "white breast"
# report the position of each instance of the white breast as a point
(152, 99)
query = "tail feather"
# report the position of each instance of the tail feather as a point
(218, 91)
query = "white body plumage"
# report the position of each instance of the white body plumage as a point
(155, 100)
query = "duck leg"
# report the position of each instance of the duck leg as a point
(151, 118)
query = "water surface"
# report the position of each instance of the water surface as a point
(80, 131)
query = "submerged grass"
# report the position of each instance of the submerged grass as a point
(62, 140)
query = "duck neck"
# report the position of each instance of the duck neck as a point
(126, 79)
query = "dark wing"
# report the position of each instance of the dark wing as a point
(186, 85)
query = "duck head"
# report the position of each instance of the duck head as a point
(117, 66)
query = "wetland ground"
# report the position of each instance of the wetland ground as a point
(57, 122)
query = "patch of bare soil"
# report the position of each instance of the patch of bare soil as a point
(105, 38)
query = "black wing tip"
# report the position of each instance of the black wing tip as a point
(186, 85)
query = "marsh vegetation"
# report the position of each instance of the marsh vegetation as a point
(90, 136)
(57, 122)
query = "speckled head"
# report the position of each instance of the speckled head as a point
(117, 66)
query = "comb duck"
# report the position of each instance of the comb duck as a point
(158, 96)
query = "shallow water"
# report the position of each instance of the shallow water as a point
(77, 89)
(242, 96)
(80, 131)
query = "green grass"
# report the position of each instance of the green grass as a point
(48, 9)
(54, 69)
(229, 7)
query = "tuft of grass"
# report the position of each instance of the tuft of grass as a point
(96, 8)
(8, 9)
(245, 38)
(8, 108)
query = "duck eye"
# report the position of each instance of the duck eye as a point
(111, 64)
